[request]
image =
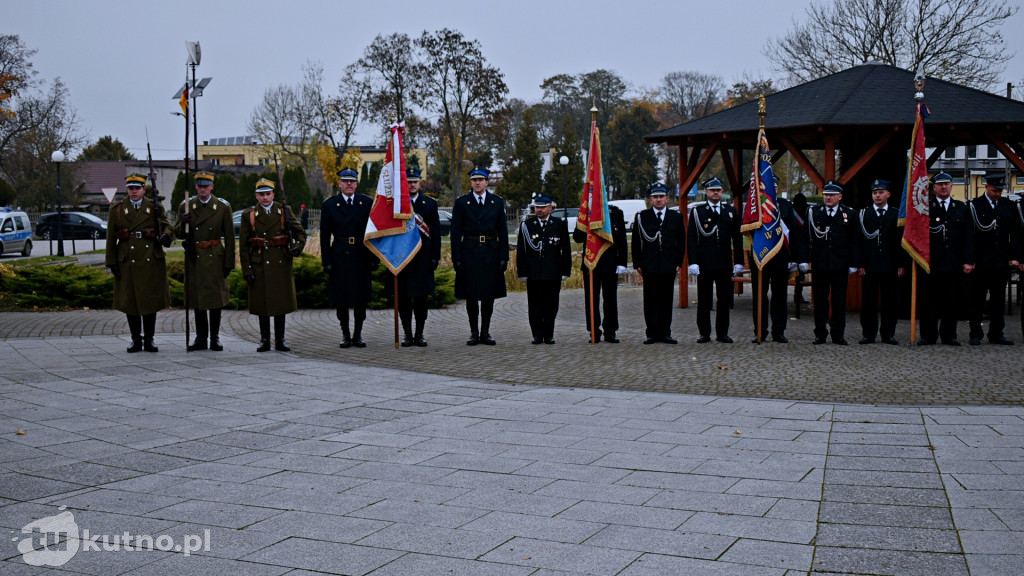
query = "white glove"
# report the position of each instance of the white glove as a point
(564, 278)
(737, 269)
(853, 270)
(792, 266)
(621, 270)
(694, 269)
(802, 266)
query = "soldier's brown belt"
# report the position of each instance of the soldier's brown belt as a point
(275, 241)
(124, 234)
(207, 243)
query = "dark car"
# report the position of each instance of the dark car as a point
(75, 225)
(237, 219)
(446, 223)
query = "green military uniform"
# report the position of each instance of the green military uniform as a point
(211, 258)
(135, 256)
(267, 263)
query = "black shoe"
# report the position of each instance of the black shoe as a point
(891, 341)
(407, 341)
(197, 345)
(473, 340)
(818, 341)
(346, 342)
(148, 346)
(953, 342)
(264, 345)
(866, 340)
(281, 346)
(357, 341)
(611, 339)
(756, 341)
(136, 346)
(1001, 340)
(839, 341)
(215, 345)
(421, 342)
(549, 340)
(650, 340)
(925, 343)
(974, 341)
(724, 340)
(487, 340)
(703, 339)
(537, 341)
(669, 340)
(781, 339)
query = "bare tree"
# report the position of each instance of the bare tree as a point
(957, 40)
(690, 95)
(274, 124)
(462, 89)
(394, 75)
(16, 73)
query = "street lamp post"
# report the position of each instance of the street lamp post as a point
(57, 158)
(564, 161)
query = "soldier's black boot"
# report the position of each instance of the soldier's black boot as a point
(135, 326)
(407, 340)
(359, 316)
(264, 334)
(215, 344)
(279, 344)
(148, 327)
(419, 340)
(136, 345)
(485, 326)
(202, 328)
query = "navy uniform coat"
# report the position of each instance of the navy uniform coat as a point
(142, 288)
(993, 249)
(662, 255)
(553, 260)
(417, 278)
(838, 248)
(479, 247)
(952, 236)
(207, 280)
(884, 253)
(272, 293)
(341, 248)
(721, 249)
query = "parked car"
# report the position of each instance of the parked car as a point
(446, 223)
(569, 214)
(75, 226)
(237, 219)
(629, 209)
(15, 232)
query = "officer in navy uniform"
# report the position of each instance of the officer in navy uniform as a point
(543, 260)
(609, 266)
(346, 259)
(995, 253)
(479, 254)
(659, 244)
(833, 243)
(416, 280)
(715, 248)
(882, 261)
(776, 277)
(951, 246)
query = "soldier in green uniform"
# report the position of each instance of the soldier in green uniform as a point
(136, 238)
(266, 258)
(210, 257)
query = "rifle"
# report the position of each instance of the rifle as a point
(158, 208)
(284, 203)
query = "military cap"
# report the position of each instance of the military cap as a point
(879, 184)
(713, 184)
(996, 181)
(348, 174)
(658, 190)
(832, 187)
(478, 173)
(135, 181)
(204, 178)
(412, 175)
(264, 185)
(941, 177)
(541, 200)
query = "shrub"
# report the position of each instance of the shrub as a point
(63, 286)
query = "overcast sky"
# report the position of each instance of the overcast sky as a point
(122, 60)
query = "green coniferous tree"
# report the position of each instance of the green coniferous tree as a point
(522, 179)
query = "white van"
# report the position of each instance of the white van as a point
(629, 209)
(15, 232)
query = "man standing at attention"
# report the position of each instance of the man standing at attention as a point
(544, 260)
(715, 248)
(606, 277)
(951, 242)
(882, 261)
(995, 253)
(833, 243)
(659, 243)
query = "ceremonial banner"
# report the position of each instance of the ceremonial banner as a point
(914, 203)
(391, 231)
(184, 99)
(593, 217)
(761, 213)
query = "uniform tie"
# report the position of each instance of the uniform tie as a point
(349, 200)
(881, 212)
(831, 212)
(659, 216)
(715, 208)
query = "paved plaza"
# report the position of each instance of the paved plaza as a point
(632, 460)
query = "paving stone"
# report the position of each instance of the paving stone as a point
(671, 542)
(558, 556)
(905, 563)
(323, 556)
(888, 538)
(535, 527)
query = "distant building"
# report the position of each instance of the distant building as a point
(968, 166)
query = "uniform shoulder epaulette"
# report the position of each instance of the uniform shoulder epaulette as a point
(224, 202)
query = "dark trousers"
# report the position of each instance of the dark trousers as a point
(207, 323)
(407, 306)
(988, 284)
(719, 282)
(481, 309)
(605, 285)
(358, 314)
(658, 304)
(279, 325)
(828, 284)
(776, 279)
(937, 305)
(141, 327)
(542, 306)
(878, 286)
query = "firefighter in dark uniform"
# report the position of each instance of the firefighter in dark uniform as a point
(995, 253)
(882, 261)
(776, 277)
(347, 261)
(210, 258)
(610, 266)
(659, 244)
(543, 260)
(479, 254)
(136, 238)
(951, 246)
(416, 280)
(266, 258)
(833, 243)
(715, 248)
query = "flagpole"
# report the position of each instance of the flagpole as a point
(593, 320)
(188, 329)
(762, 111)
(396, 311)
(913, 304)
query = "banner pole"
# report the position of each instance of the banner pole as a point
(593, 321)
(913, 304)
(396, 311)
(760, 303)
